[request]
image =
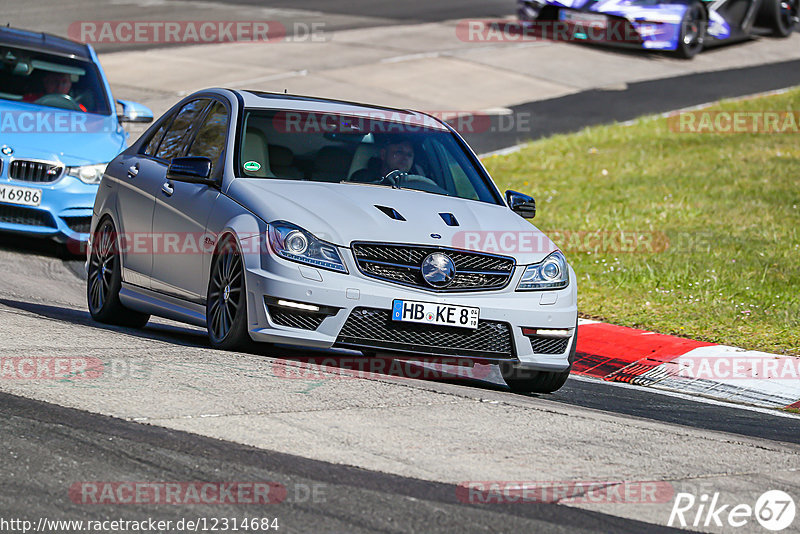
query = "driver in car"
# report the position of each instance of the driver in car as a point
(53, 83)
(396, 155)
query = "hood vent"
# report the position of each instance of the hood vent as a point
(391, 213)
(449, 219)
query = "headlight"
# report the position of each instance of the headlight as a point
(552, 273)
(88, 174)
(294, 243)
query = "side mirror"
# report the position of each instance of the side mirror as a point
(134, 112)
(193, 170)
(522, 205)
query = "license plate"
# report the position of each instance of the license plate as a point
(24, 196)
(583, 19)
(411, 311)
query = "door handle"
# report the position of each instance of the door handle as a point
(133, 170)
(167, 188)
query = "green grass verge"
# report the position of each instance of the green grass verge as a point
(726, 205)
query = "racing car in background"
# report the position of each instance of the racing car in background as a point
(684, 27)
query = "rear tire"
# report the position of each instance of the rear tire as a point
(226, 303)
(778, 16)
(521, 380)
(104, 281)
(693, 31)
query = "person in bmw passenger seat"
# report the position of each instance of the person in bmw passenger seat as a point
(397, 154)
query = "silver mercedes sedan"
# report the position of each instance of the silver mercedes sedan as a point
(319, 223)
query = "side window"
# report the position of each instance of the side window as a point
(211, 138)
(152, 145)
(173, 143)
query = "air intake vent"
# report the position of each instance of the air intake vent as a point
(449, 219)
(391, 213)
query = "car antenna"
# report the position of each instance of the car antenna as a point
(285, 90)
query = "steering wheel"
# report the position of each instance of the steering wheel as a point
(412, 181)
(58, 100)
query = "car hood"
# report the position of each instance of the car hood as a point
(343, 213)
(73, 138)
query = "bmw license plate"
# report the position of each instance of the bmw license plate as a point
(411, 311)
(579, 18)
(24, 196)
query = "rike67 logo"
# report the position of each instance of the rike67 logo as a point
(774, 510)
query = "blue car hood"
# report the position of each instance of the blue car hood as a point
(71, 137)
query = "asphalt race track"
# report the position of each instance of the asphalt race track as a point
(587, 108)
(381, 453)
(355, 500)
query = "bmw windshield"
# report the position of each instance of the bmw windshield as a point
(51, 80)
(422, 155)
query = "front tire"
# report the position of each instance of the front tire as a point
(104, 281)
(693, 31)
(521, 380)
(779, 16)
(226, 303)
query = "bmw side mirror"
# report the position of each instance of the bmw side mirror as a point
(522, 205)
(134, 112)
(193, 169)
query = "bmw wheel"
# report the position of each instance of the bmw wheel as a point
(779, 16)
(105, 280)
(226, 305)
(693, 31)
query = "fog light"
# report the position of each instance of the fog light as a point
(546, 332)
(297, 305)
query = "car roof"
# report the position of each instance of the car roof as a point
(283, 101)
(43, 42)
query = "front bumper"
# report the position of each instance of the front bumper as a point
(65, 211)
(354, 313)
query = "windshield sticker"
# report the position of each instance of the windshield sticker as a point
(252, 166)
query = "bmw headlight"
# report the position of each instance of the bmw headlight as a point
(88, 174)
(552, 273)
(293, 243)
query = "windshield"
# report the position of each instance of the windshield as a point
(51, 80)
(359, 150)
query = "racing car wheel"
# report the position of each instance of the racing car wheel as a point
(779, 16)
(693, 31)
